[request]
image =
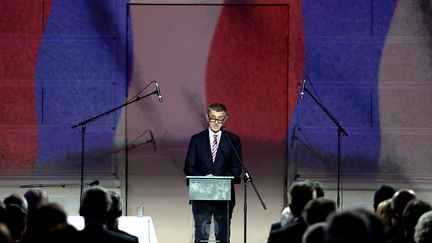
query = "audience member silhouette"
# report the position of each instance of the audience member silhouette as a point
(16, 199)
(317, 210)
(413, 210)
(423, 229)
(35, 197)
(64, 233)
(348, 227)
(16, 215)
(42, 220)
(384, 212)
(286, 215)
(398, 203)
(115, 213)
(95, 208)
(315, 233)
(16, 221)
(16, 207)
(384, 192)
(300, 193)
(375, 225)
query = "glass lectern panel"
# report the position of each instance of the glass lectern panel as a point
(210, 199)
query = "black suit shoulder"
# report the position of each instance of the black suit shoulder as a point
(200, 135)
(199, 139)
(293, 231)
(132, 237)
(98, 233)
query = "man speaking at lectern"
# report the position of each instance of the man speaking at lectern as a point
(211, 153)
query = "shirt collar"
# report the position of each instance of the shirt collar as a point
(219, 133)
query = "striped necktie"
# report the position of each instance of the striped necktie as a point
(214, 147)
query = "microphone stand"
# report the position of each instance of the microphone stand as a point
(83, 124)
(246, 178)
(340, 132)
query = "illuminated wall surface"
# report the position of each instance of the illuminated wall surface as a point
(344, 46)
(367, 61)
(63, 62)
(80, 74)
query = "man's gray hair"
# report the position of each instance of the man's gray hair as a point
(423, 228)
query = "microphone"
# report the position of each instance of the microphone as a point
(302, 89)
(153, 141)
(158, 92)
(223, 129)
(94, 183)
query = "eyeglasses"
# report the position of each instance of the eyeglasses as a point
(215, 120)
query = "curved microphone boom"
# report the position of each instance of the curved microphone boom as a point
(158, 92)
(153, 141)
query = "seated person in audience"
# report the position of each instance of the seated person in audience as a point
(287, 217)
(384, 192)
(35, 197)
(423, 229)
(115, 213)
(375, 225)
(95, 208)
(348, 227)
(16, 208)
(42, 220)
(64, 233)
(317, 210)
(300, 193)
(384, 212)
(16, 220)
(315, 233)
(398, 203)
(413, 210)
(16, 199)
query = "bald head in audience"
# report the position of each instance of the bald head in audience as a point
(399, 201)
(16, 199)
(35, 197)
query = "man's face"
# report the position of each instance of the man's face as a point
(216, 119)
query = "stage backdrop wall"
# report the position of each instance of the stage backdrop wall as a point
(367, 61)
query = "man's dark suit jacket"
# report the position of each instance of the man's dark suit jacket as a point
(199, 159)
(292, 232)
(133, 237)
(99, 233)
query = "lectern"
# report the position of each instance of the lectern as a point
(210, 197)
